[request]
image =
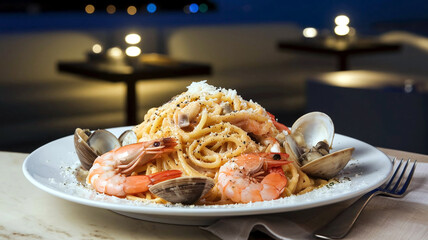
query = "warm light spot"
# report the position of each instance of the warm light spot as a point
(342, 20)
(344, 81)
(133, 51)
(132, 10)
(89, 9)
(310, 32)
(111, 9)
(97, 48)
(115, 52)
(132, 38)
(341, 30)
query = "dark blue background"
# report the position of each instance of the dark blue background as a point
(367, 16)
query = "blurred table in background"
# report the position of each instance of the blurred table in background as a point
(342, 49)
(150, 66)
(379, 108)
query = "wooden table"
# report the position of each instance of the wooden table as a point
(30, 213)
(154, 67)
(341, 49)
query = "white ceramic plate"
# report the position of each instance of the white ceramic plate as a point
(51, 168)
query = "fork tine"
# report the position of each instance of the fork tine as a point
(409, 178)
(393, 175)
(397, 183)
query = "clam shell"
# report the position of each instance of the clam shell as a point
(311, 128)
(185, 190)
(84, 152)
(102, 141)
(329, 165)
(292, 149)
(128, 137)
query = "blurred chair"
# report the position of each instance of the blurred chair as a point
(382, 109)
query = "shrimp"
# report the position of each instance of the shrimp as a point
(253, 177)
(251, 126)
(260, 131)
(110, 173)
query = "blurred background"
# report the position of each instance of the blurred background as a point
(381, 97)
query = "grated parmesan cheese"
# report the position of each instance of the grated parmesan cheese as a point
(203, 88)
(71, 185)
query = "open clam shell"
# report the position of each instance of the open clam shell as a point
(128, 137)
(311, 128)
(309, 143)
(102, 141)
(329, 165)
(306, 132)
(84, 152)
(185, 190)
(91, 145)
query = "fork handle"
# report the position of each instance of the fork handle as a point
(342, 223)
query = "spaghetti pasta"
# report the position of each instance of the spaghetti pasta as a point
(211, 126)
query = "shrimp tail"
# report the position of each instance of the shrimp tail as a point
(278, 125)
(141, 183)
(164, 175)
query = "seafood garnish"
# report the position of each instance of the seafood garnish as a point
(90, 145)
(184, 190)
(309, 143)
(210, 146)
(253, 177)
(110, 173)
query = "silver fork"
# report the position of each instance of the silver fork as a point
(340, 226)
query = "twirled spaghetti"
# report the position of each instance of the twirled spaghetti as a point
(212, 126)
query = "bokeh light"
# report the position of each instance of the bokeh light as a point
(341, 30)
(186, 9)
(310, 32)
(131, 10)
(132, 38)
(89, 9)
(115, 52)
(342, 20)
(133, 51)
(97, 48)
(193, 8)
(151, 7)
(203, 8)
(111, 9)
